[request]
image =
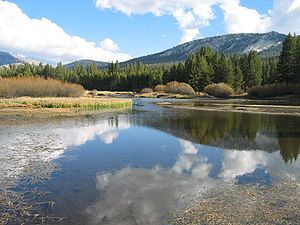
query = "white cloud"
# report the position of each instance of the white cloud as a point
(239, 19)
(42, 39)
(109, 45)
(284, 17)
(190, 15)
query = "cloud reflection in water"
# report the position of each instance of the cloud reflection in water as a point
(143, 196)
(106, 130)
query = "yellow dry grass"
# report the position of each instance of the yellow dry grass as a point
(77, 103)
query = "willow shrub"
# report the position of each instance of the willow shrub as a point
(38, 87)
(146, 90)
(220, 90)
(273, 90)
(179, 88)
(160, 88)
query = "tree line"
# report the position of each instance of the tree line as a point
(240, 71)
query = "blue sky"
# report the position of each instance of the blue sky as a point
(137, 29)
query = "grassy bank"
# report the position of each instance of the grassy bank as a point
(63, 103)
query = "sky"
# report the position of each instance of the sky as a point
(108, 30)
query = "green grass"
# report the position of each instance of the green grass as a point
(78, 103)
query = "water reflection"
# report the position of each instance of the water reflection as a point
(141, 196)
(133, 168)
(238, 131)
(145, 196)
(106, 130)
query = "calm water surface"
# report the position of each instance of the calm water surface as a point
(133, 167)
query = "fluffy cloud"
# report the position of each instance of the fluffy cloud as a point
(109, 45)
(239, 19)
(284, 17)
(193, 15)
(45, 40)
(190, 15)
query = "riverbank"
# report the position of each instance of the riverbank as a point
(276, 107)
(129, 94)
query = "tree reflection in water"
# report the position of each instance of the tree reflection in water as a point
(239, 131)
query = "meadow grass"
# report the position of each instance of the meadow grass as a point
(76, 103)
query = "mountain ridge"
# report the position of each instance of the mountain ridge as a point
(228, 44)
(267, 44)
(7, 58)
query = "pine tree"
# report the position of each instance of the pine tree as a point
(238, 79)
(297, 64)
(203, 76)
(287, 60)
(255, 69)
(228, 72)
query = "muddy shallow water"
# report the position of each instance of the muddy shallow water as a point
(140, 166)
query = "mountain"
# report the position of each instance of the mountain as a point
(86, 62)
(267, 44)
(6, 58)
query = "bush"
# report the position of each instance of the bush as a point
(179, 88)
(146, 90)
(220, 90)
(160, 88)
(273, 90)
(38, 87)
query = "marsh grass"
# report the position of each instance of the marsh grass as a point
(38, 87)
(80, 103)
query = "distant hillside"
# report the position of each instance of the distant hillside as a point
(268, 44)
(6, 58)
(86, 62)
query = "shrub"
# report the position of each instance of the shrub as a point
(272, 90)
(38, 87)
(179, 88)
(160, 88)
(220, 90)
(146, 90)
